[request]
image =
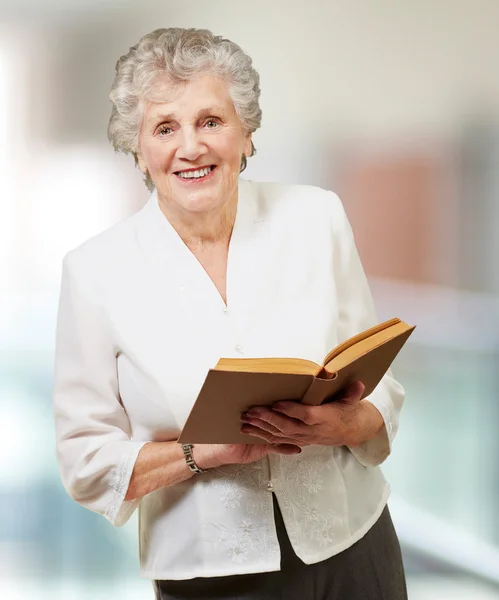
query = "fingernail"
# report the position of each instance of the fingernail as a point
(253, 412)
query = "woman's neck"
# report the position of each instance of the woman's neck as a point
(200, 230)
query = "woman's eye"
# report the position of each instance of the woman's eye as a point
(211, 124)
(164, 130)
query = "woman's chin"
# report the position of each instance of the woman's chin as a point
(197, 200)
(200, 203)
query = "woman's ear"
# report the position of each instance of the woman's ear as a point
(141, 163)
(248, 145)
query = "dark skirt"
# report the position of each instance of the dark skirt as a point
(371, 569)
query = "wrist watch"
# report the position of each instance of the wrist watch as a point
(189, 459)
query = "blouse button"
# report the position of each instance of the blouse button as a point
(226, 311)
(270, 486)
(238, 348)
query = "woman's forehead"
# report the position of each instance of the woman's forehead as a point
(175, 98)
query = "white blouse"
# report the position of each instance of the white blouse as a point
(139, 325)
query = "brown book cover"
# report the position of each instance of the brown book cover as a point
(237, 384)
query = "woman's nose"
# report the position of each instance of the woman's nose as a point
(191, 144)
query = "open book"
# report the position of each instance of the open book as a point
(237, 384)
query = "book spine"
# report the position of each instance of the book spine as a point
(318, 391)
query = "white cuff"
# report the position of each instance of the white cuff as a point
(119, 510)
(387, 398)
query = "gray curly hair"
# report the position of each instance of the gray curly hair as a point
(181, 54)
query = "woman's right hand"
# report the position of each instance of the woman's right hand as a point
(208, 456)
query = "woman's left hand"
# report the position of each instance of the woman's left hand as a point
(347, 421)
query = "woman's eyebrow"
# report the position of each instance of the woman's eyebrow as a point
(167, 118)
(211, 110)
(172, 117)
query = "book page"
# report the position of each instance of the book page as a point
(359, 337)
(298, 366)
(364, 346)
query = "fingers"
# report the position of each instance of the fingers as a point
(353, 392)
(303, 413)
(272, 421)
(313, 415)
(286, 449)
(261, 424)
(269, 437)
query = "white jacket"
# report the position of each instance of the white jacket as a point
(139, 325)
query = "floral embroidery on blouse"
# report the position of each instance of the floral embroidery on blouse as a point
(231, 497)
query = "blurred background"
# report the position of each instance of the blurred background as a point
(393, 104)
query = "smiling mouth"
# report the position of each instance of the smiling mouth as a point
(193, 175)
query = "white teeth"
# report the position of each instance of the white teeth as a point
(194, 174)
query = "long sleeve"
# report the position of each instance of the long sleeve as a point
(356, 313)
(95, 452)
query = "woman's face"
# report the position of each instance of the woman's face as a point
(192, 145)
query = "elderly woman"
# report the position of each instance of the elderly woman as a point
(214, 266)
